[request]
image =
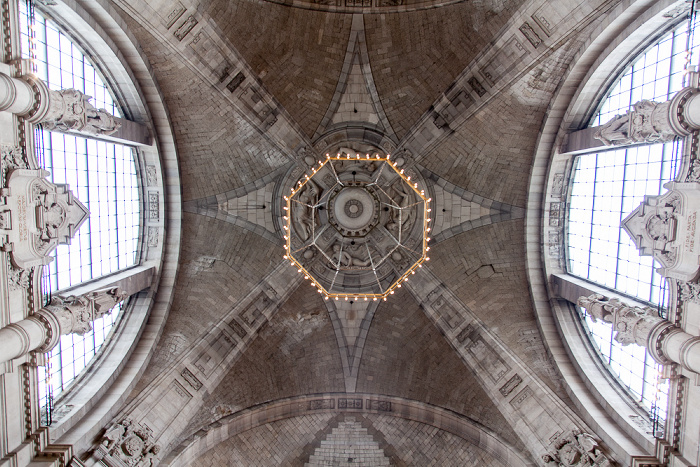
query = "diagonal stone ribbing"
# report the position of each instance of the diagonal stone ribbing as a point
(351, 323)
(510, 58)
(194, 37)
(536, 414)
(173, 398)
(356, 99)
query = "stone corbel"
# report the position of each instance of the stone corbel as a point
(76, 313)
(64, 110)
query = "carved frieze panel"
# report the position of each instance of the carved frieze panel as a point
(510, 385)
(379, 405)
(321, 404)
(345, 403)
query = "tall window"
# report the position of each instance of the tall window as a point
(102, 175)
(606, 187)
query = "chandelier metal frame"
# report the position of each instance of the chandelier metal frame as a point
(287, 226)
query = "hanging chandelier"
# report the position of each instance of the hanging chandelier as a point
(357, 227)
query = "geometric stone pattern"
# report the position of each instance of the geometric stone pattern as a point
(356, 103)
(468, 138)
(348, 445)
(419, 444)
(277, 443)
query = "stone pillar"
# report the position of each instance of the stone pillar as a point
(16, 95)
(643, 326)
(39, 332)
(64, 315)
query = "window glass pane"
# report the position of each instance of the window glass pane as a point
(605, 188)
(101, 175)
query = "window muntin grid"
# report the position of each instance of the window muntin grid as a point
(103, 176)
(656, 74)
(606, 187)
(73, 354)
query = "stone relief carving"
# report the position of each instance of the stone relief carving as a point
(306, 219)
(341, 258)
(18, 278)
(70, 110)
(689, 292)
(632, 324)
(665, 227)
(13, 157)
(127, 443)
(648, 122)
(578, 449)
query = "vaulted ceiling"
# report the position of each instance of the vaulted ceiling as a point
(472, 64)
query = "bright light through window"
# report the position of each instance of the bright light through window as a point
(102, 176)
(606, 187)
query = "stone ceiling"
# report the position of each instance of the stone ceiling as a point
(280, 70)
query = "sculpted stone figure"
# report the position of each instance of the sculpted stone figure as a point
(70, 110)
(633, 324)
(304, 215)
(576, 450)
(648, 122)
(343, 258)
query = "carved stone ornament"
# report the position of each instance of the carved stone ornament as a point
(689, 292)
(647, 123)
(70, 110)
(13, 157)
(577, 449)
(127, 444)
(42, 215)
(18, 278)
(632, 324)
(76, 313)
(665, 227)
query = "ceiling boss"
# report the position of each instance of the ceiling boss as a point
(357, 227)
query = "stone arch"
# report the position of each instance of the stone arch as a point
(356, 403)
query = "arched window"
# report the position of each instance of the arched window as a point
(103, 175)
(606, 186)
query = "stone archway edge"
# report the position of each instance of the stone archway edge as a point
(459, 425)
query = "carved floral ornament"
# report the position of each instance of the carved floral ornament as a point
(357, 227)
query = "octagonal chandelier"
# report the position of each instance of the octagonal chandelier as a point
(357, 227)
